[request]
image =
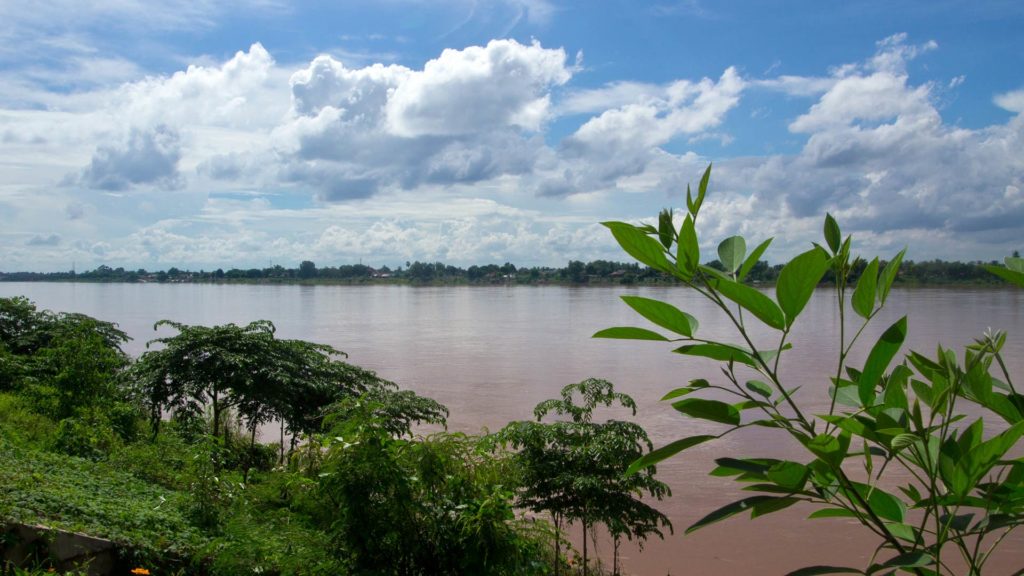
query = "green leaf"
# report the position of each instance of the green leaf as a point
(750, 405)
(960, 522)
(864, 296)
(773, 489)
(629, 333)
(832, 513)
(903, 440)
(639, 245)
(769, 506)
(669, 450)
(832, 235)
(666, 231)
(712, 410)
(904, 532)
(888, 276)
(679, 392)
(828, 448)
(702, 189)
(688, 250)
(878, 359)
(731, 252)
(847, 396)
(752, 259)
(797, 281)
(818, 570)
(729, 510)
(896, 387)
(752, 300)
(1013, 276)
(769, 355)
(720, 352)
(911, 492)
(857, 426)
(983, 456)
(663, 314)
(790, 475)
(734, 466)
(885, 505)
(758, 387)
(908, 560)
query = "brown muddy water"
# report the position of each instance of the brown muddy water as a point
(490, 354)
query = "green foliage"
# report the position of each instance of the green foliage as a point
(1013, 272)
(438, 505)
(163, 460)
(389, 412)
(247, 369)
(965, 490)
(202, 497)
(82, 496)
(63, 362)
(21, 326)
(80, 367)
(87, 435)
(573, 469)
(256, 540)
(68, 368)
(22, 426)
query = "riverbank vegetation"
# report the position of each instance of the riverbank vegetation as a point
(160, 455)
(575, 273)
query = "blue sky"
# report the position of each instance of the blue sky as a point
(221, 134)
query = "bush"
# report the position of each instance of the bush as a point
(88, 434)
(210, 493)
(438, 505)
(162, 460)
(22, 426)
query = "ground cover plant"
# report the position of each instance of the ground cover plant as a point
(79, 495)
(966, 489)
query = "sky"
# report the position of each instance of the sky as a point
(220, 134)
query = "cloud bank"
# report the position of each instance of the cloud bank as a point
(458, 159)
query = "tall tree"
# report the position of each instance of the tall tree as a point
(248, 369)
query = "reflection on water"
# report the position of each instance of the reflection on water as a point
(490, 354)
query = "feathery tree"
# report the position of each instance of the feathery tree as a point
(574, 469)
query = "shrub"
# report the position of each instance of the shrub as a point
(20, 425)
(436, 505)
(88, 434)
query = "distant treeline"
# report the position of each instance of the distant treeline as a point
(598, 272)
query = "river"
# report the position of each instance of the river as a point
(491, 353)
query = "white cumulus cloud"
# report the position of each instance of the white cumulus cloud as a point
(1011, 101)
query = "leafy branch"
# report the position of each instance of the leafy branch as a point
(964, 490)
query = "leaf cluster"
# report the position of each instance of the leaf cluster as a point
(966, 492)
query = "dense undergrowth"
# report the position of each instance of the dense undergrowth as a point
(160, 456)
